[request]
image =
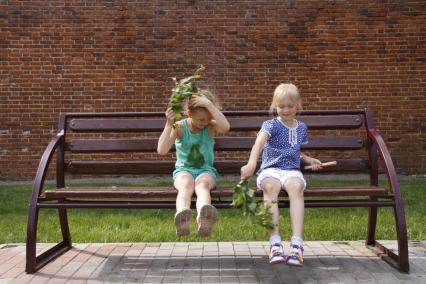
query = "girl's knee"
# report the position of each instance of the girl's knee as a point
(294, 186)
(204, 185)
(271, 186)
(205, 182)
(184, 180)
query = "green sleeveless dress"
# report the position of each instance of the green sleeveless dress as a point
(194, 153)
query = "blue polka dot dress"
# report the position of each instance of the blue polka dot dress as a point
(282, 149)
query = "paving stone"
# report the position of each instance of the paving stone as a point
(210, 273)
(171, 279)
(195, 246)
(152, 279)
(210, 279)
(248, 279)
(191, 279)
(229, 279)
(164, 252)
(195, 252)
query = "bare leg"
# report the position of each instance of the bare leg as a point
(204, 183)
(184, 183)
(207, 214)
(271, 188)
(294, 187)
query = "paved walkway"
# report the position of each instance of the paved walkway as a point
(233, 262)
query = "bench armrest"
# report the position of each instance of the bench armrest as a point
(384, 153)
(44, 164)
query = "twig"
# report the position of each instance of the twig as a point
(327, 164)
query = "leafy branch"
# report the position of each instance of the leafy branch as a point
(184, 89)
(257, 212)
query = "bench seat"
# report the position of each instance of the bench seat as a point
(146, 192)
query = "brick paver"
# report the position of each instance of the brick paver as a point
(225, 262)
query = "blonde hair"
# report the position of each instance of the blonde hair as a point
(284, 91)
(209, 95)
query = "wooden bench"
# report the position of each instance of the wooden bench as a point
(86, 142)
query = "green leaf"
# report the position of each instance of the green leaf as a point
(252, 207)
(184, 89)
(250, 193)
(256, 212)
(200, 68)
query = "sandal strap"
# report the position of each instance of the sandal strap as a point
(294, 254)
(297, 247)
(279, 251)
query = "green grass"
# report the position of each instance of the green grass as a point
(156, 225)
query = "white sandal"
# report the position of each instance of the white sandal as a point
(276, 254)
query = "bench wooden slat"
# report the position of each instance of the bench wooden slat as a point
(218, 203)
(315, 143)
(116, 125)
(313, 122)
(222, 144)
(332, 121)
(161, 167)
(120, 167)
(112, 145)
(237, 123)
(162, 192)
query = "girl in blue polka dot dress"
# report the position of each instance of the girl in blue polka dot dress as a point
(280, 140)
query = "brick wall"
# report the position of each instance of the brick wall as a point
(60, 56)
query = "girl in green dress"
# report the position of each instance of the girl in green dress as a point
(193, 138)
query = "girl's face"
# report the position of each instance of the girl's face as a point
(200, 118)
(287, 108)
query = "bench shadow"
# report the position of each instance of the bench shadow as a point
(254, 269)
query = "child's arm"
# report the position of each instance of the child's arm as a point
(314, 163)
(248, 170)
(220, 123)
(169, 134)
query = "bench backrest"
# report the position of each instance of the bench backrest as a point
(131, 138)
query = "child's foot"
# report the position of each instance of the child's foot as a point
(182, 221)
(276, 254)
(296, 256)
(205, 219)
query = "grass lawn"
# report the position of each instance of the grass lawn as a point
(156, 225)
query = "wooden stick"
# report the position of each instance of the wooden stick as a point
(332, 163)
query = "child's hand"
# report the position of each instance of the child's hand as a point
(315, 164)
(247, 171)
(170, 116)
(200, 101)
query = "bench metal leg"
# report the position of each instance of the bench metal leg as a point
(63, 220)
(399, 261)
(401, 232)
(34, 262)
(371, 229)
(31, 239)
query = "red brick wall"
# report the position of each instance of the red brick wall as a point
(60, 56)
